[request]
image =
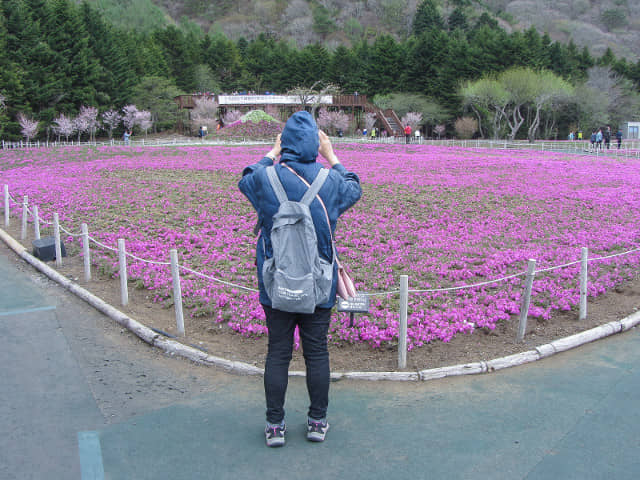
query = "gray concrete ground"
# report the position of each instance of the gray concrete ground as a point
(82, 399)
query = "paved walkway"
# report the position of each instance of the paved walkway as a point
(70, 408)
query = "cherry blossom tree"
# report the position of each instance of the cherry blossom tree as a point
(87, 121)
(205, 113)
(439, 130)
(143, 120)
(111, 119)
(28, 125)
(369, 120)
(412, 118)
(232, 116)
(332, 120)
(129, 116)
(63, 125)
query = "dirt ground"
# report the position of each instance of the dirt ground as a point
(481, 345)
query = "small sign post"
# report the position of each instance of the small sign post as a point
(357, 304)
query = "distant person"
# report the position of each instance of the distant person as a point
(579, 134)
(599, 137)
(127, 137)
(417, 135)
(407, 133)
(619, 137)
(607, 137)
(592, 140)
(374, 132)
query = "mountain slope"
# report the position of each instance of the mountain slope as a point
(596, 24)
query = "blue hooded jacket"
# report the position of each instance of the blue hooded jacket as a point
(299, 148)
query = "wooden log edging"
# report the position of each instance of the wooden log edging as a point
(172, 347)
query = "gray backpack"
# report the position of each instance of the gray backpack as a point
(296, 278)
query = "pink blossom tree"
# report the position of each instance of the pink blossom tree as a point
(231, 116)
(439, 130)
(332, 121)
(143, 120)
(369, 120)
(29, 126)
(205, 113)
(87, 121)
(63, 125)
(111, 119)
(412, 119)
(129, 116)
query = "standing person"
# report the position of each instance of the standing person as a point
(619, 137)
(417, 135)
(298, 146)
(126, 137)
(593, 139)
(599, 139)
(607, 137)
(407, 133)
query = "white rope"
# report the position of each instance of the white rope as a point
(154, 262)
(462, 287)
(217, 279)
(615, 255)
(542, 270)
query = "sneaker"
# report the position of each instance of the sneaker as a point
(316, 430)
(274, 434)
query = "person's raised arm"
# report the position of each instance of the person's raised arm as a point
(326, 149)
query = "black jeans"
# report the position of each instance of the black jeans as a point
(313, 335)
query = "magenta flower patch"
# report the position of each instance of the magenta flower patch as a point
(443, 216)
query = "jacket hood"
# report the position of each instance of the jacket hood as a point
(299, 140)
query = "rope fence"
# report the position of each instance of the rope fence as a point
(176, 268)
(630, 148)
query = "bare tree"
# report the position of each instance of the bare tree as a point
(2, 100)
(28, 125)
(315, 95)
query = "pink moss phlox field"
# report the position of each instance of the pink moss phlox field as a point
(443, 216)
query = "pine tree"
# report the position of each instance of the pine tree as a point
(427, 18)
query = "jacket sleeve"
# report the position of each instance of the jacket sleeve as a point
(349, 190)
(247, 184)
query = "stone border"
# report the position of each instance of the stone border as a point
(176, 348)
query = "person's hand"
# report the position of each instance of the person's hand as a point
(326, 149)
(275, 151)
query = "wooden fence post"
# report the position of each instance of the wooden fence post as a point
(526, 300)
(86, 253)
(6, 205)
(56, 238)
(583, 283)
(177, 290)
(122, 258)
(402, 330)
(36, 223)
(25, 216)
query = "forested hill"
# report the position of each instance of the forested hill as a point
(596, 24)
(57, 56)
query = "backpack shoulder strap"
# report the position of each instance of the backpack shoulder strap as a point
(315, 187)
(276, 184)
